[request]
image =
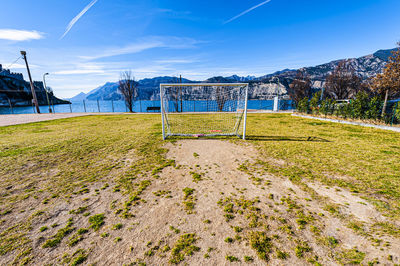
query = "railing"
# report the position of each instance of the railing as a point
(140, 106)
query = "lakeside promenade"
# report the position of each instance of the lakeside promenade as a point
(9, 120)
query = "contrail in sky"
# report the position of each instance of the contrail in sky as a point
(247, 11)
(75, 19)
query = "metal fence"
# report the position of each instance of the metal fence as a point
(140, 106)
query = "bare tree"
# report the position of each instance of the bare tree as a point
(343, 83)
(388, 82)
(300, 87)
(221, 94)
(128, 88)
(175, 94)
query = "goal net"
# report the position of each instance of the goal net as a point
(204, 109)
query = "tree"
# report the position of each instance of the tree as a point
(300, 87)
(388, 82)
(315, 101)
(342, 83)
(221, 96)
(128, 88)
(175, 93)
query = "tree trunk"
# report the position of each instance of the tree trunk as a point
(385, 103)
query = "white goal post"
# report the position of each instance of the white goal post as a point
(204, 109)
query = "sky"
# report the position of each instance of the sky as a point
(86, 43)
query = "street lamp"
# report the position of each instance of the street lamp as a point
(277, 85)
(47, 94)
(276, 98)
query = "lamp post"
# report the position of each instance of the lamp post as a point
(47, 94)
(277, 85)
(35, 101)
(276, 98)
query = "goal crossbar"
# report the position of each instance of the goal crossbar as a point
(202, 84)
(203, 109)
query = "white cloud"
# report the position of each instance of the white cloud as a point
(78, 72)
(75, 19)
(175, 61)
(144, 44)
(20, 66)
(247, 11)
(20, 35)
(129, 49)
(81, 69)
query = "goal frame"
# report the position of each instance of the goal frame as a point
(163, 113)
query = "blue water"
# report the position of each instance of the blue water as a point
(141, 106)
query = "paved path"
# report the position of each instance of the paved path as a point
(397, 129)
(8, 120)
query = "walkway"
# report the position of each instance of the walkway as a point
(397, 129)
(9, 120)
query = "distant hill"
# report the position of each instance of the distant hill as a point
(148, 89)
(15, 90)
(81, 96)
(260, 87)
(241, 79)
(108, 91)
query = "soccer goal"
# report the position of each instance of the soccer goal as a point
(204, 109)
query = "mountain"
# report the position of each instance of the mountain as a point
(147, 89)
(81, 96)
(108, 91)
(236, 78)
(259, 87)
(16, 91)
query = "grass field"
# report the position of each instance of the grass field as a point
(107, 189)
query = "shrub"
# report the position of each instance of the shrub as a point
(303, 106)
(314, 102)
(327, 107)
(375, 108)
(361, 105)
(344, 110)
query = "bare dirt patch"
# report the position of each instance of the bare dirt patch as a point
(207, 206)
(350, 203)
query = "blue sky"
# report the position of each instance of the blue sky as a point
(197, 39)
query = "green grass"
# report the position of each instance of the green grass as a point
(261, 244)
(56, 239)
(183, 247)
(231, 258)
(189, 200)
(363, 160)
(196, 177)
(96, 221)
(117, 226)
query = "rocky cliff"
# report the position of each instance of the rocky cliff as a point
(16, 91)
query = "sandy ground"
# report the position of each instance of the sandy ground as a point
(160, 218)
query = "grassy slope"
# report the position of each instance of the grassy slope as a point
(365, 160)
(81, 151)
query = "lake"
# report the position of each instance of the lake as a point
(141, 106)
